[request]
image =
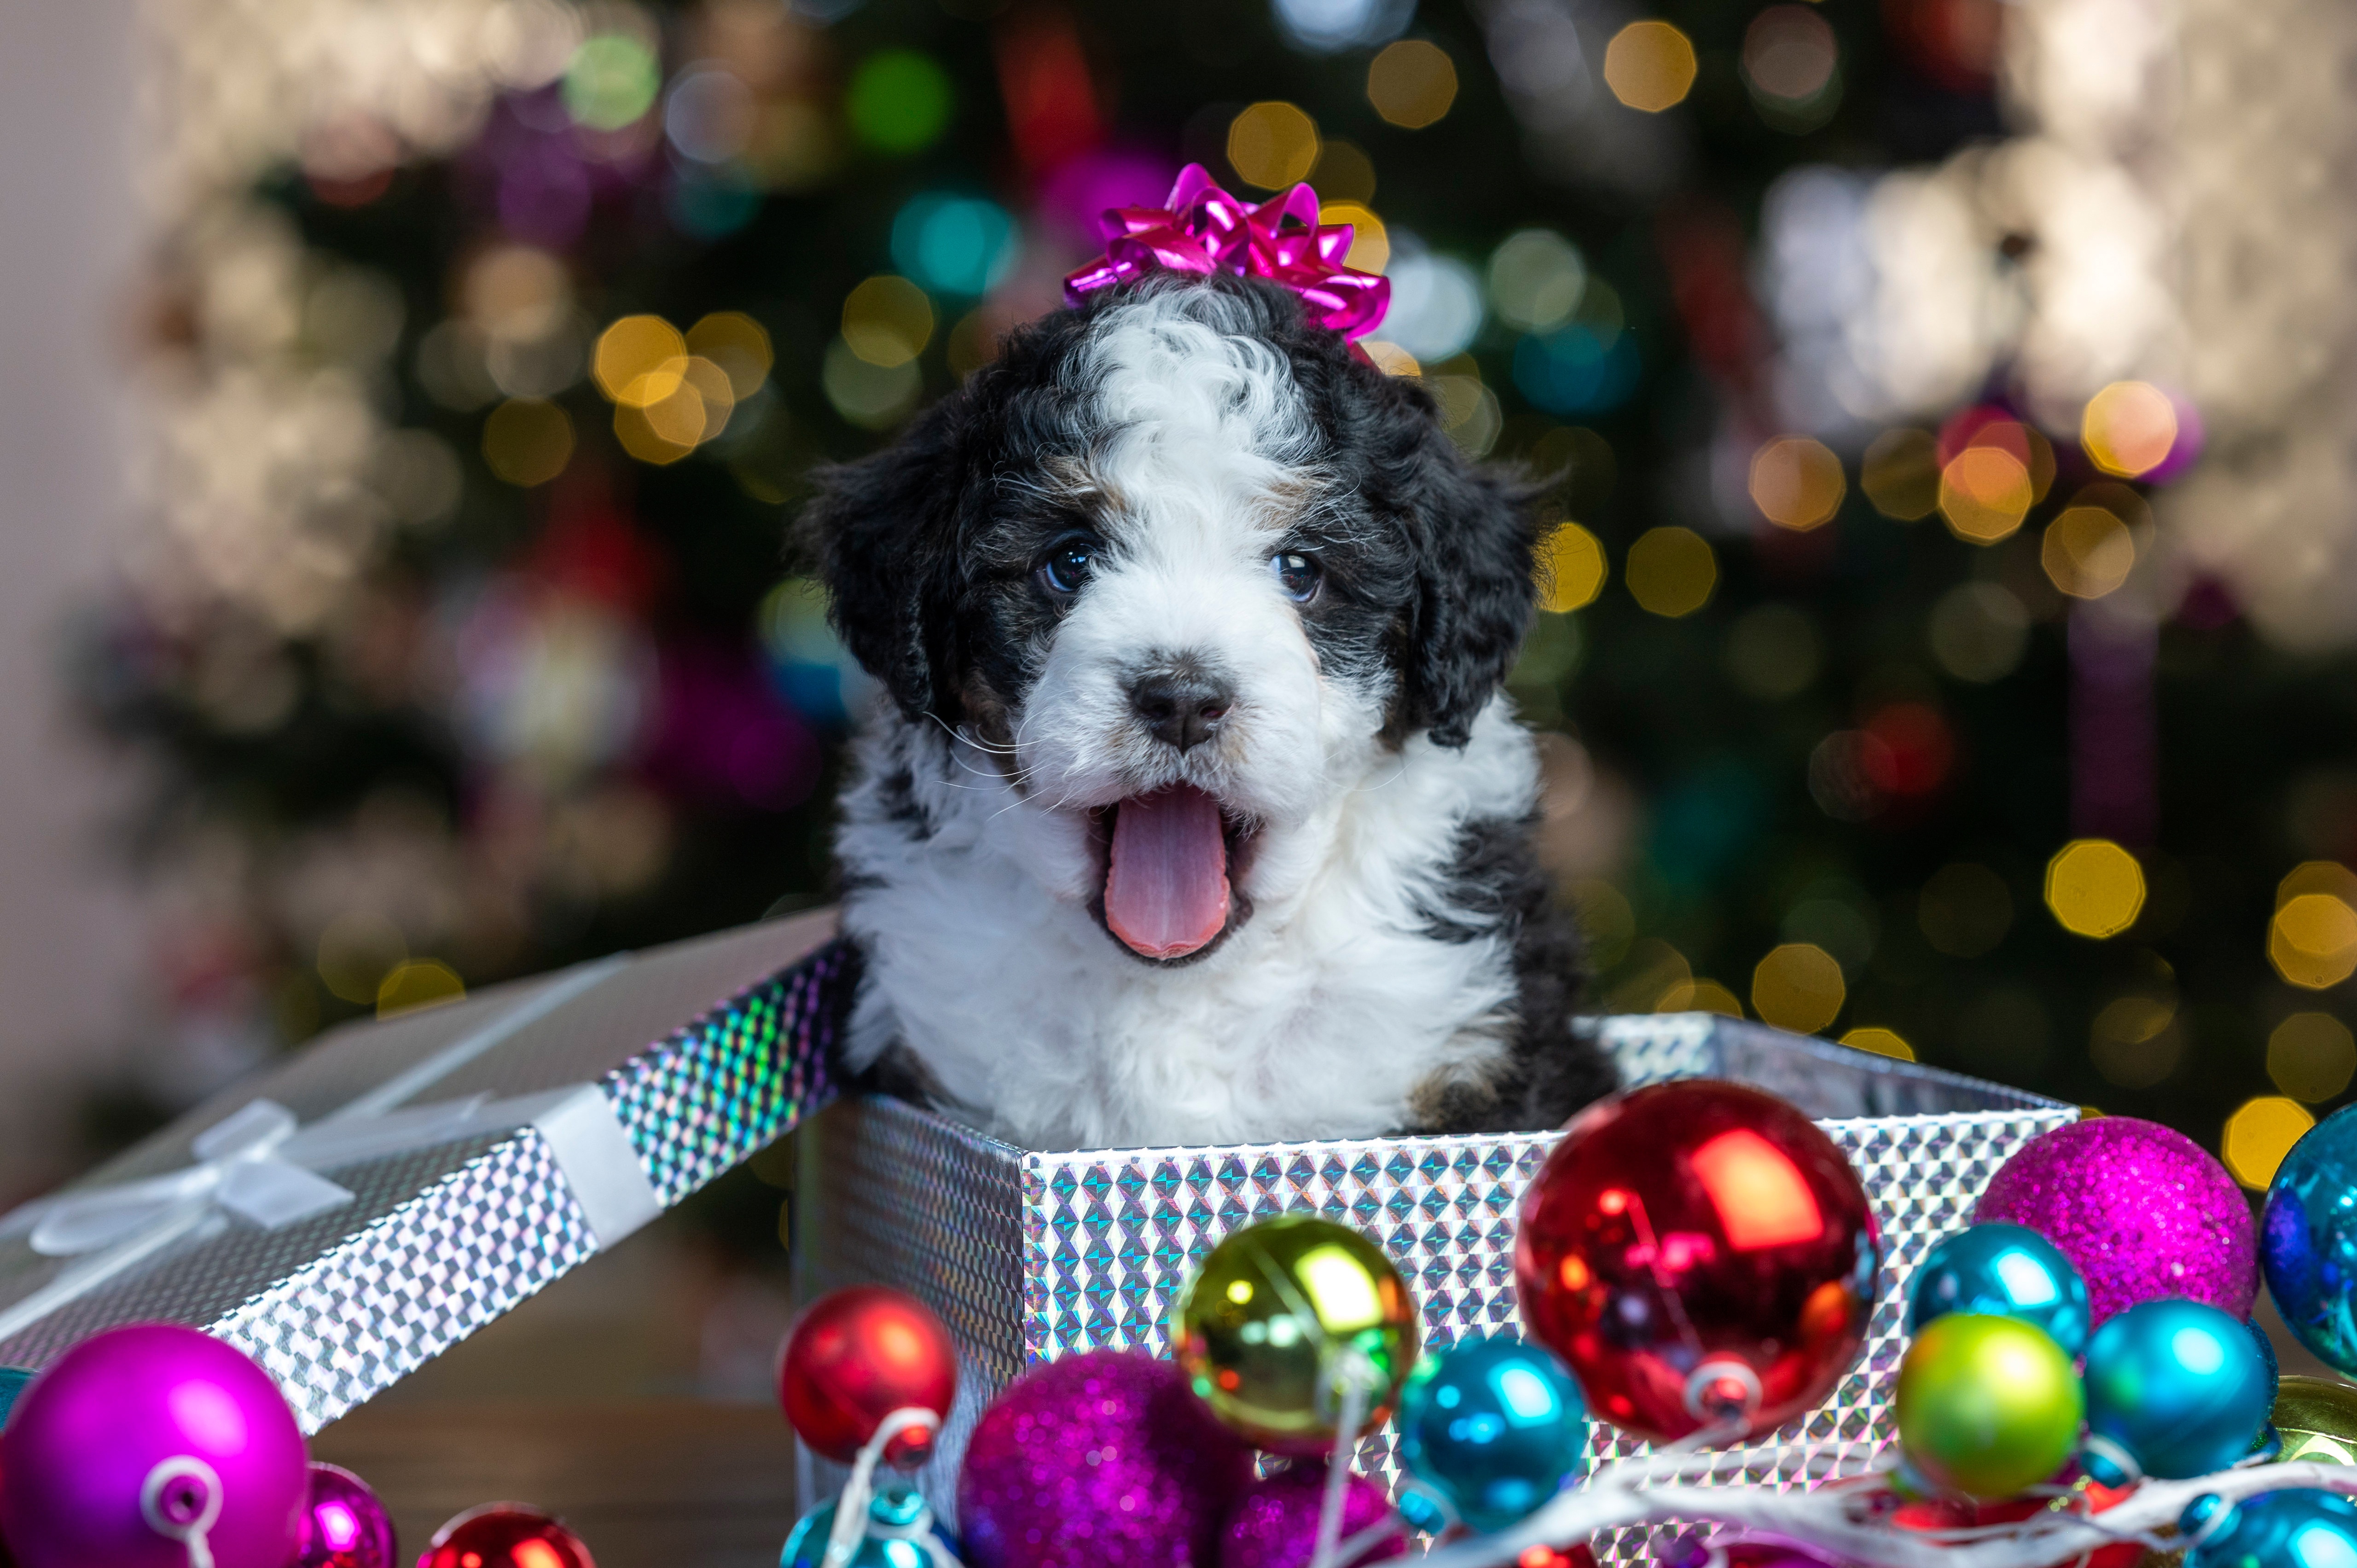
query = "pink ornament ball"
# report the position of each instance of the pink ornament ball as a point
(2142, 1209)
(344, 1526)
(1274, 1524)
(1106, 1457)
(137, 1438)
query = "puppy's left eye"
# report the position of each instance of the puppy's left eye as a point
(1299, 575)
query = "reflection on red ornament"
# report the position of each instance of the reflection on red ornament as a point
(1701, 1255)
(1544, 1556)
(855, 1357)
(505, 1535)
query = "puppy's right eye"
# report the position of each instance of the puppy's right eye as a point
(1068, 566)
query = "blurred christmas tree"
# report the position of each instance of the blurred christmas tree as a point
(491, 340)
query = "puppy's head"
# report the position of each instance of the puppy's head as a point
(1182, 567)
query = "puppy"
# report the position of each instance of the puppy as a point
(1197, 815)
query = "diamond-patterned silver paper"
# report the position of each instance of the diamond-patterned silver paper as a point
(1032, 1255)
(705, 1051)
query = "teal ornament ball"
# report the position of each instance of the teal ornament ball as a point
(1495, 1426)
(900, 1534)
(2175, 1390)
(2308, 1239)
(14, 1380)
(2002, 1271)
(2295, 1528)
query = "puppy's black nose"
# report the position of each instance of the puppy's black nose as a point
(1181, 705)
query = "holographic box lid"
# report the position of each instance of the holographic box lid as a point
(1030, 1255)
(398, 1184)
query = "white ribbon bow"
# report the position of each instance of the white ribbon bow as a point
(261, 1165)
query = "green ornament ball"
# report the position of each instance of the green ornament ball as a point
(1281, 1317)
(1987, 1406)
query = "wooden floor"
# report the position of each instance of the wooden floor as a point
(646, 1484)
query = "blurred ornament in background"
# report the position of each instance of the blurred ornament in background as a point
(1275, 1521)
(2309, 1239)
(1284, 1317)
(2175, 1390)
(1495, 1426)
(1702, 1256)
(505, 1535)
(138, 1441)
(853, 1356)
(13, 1382)
(954, 244)
(1329, 26)
(1105, 1456)
(344, 1525)
(1987, 1406)
(2002, 1271)
(901, 1533)
(2298, 1528)
(2141, 1209)
(2317, 1419)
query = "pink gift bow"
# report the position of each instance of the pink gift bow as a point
(1204, 230)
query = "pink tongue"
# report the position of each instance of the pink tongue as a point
(1167, 890)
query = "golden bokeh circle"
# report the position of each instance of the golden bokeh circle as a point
(2094, 888)
(1796, 482)
(1571, 569)
(1273, 146)
(1670, 571)
(2259, 1135)
(1649, 66)
(1798, 986)
(1412, 83)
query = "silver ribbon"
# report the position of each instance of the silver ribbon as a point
(261, 1165)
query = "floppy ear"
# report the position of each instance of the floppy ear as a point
(883, 531)
(1473, 532)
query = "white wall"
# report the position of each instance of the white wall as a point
(69, 952)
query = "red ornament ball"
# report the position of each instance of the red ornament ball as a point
(855, 1357)
(1545, 1556)
(505, 1535)
(1702, 1255)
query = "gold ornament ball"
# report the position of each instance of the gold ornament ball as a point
(1281, 1316)
(2317, 1419)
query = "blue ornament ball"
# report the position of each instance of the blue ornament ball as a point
(2308, 1239)
(14, 1380)
(2175, 1388)
(900, 1533)
(2295, 1528)
(2002, 1271)
(1494, 1426)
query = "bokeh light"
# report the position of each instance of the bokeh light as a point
(1343, 172)
(1900, 473)
(1798, 986)
(671, 410)
(1412, 83)
(612, 82)
(888, 321)
(1791, 63)
(2312, 940)
(1326, 26)
(1978, 631)
(1672, 571)
(1436, 303)
(1536, 277)
(869, 395)
(1880, 1041)
(899, 101)
(2087, 552)
(415, 983)
(954, 244)
(738, 345)
(1796, 482)
(2128, 428)
(2259, 1135)
(1390, 358)
(1571, 568)
(1590, 365)
(710, 115)
(2312, 1056)
(1964, 910)
(1649, 66)
(527, 442)
(2131, 1043)
(1984, 494)
(2094, 888)
(1699, 995)
(1273, 146)
(1774, 651)
(1371, 242)
(630, 350)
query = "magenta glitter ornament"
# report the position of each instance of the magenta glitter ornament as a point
(1106, 1457)
(2143, 1210)
(141, 1438)
(344, 1526)
(1274, 1524)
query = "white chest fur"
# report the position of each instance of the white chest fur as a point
(1322, 1016)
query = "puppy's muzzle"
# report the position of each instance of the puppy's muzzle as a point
(1182, 704)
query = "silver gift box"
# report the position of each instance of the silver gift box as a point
(401, 1183)
(1029, 1255)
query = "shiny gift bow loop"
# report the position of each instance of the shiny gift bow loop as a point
(1204, 230)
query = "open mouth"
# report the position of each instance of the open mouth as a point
(1171, 860)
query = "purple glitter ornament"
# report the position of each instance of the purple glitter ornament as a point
(344, 1526)
(1095, 1459)
(137, 1440)
(2141, 1209)
(1274, 1524)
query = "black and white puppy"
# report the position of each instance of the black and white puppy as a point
(1197, 816)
